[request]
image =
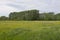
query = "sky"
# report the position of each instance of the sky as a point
(7, 6)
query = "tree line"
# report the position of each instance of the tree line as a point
(31, 15)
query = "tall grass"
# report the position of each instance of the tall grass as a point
(30, 30)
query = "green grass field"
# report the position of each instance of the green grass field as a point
(29, 30)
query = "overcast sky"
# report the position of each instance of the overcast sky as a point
(7, 6)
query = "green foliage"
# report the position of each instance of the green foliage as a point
(34, 15)
(24, 15)
(47, 16)
(57, 16)
(3, 18)
(31, 15)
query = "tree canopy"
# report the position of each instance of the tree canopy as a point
(31, 15)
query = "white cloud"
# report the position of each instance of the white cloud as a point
(6, 6)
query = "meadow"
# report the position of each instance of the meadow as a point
(29, 30)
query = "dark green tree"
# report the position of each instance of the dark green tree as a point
(47, 16)
(3, 18)
(57, 16)
(24, 15)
